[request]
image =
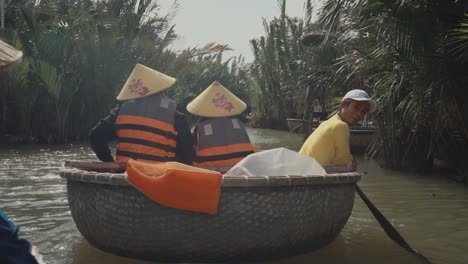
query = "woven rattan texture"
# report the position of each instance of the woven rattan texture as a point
(252, 223)
(291, 180)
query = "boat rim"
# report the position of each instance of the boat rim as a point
(108, 178)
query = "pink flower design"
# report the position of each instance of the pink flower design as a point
(229, 106)
(137, 87)
(222, 102)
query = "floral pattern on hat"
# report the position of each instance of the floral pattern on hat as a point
(216, 101)
(137, 87)
(221, 101)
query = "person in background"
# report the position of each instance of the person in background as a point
(220, 138)
(13, 249)
(146, 123)
(316, 110)
(329, 143)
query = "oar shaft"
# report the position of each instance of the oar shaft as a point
(388, 227)
(96, 166)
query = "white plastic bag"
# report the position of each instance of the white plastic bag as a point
(276, 162)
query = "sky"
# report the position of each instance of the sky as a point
(232, 22)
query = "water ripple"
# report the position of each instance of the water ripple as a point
(429, 212)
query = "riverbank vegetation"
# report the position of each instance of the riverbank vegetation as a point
(409, 55)
(78, 54)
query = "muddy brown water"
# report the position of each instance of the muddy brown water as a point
(430, 212)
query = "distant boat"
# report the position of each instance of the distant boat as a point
(361, 137)
(297, 125)
(258, 218)
(301, 125)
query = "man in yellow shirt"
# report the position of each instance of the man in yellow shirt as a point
(329, 143)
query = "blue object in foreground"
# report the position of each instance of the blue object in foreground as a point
(12, 248)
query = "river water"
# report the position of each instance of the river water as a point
(430, 212)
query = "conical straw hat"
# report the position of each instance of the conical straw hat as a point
(216, 101)
(9, 56)
(144, 81)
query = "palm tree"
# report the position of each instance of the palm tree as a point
(408, 54)
(278, 69)
(79, 53)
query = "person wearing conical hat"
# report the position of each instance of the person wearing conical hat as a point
(220, 138)
(13, 248)
(146, 123)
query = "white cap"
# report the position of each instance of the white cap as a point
(360, 95)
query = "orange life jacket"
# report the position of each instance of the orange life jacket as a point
(221, 142)
(145, 129)
(177, 185)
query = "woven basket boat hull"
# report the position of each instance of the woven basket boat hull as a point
(256, 222)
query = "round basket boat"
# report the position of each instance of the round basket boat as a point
(258, 218)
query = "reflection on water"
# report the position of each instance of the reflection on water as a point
(268, 139)
(429, 212)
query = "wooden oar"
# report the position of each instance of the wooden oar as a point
(384, 223)
(388, 227)
(120, 167)
(96, 166)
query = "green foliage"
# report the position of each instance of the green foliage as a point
(411, 55)
(79, 53)
(457, 40)
(278, 86)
